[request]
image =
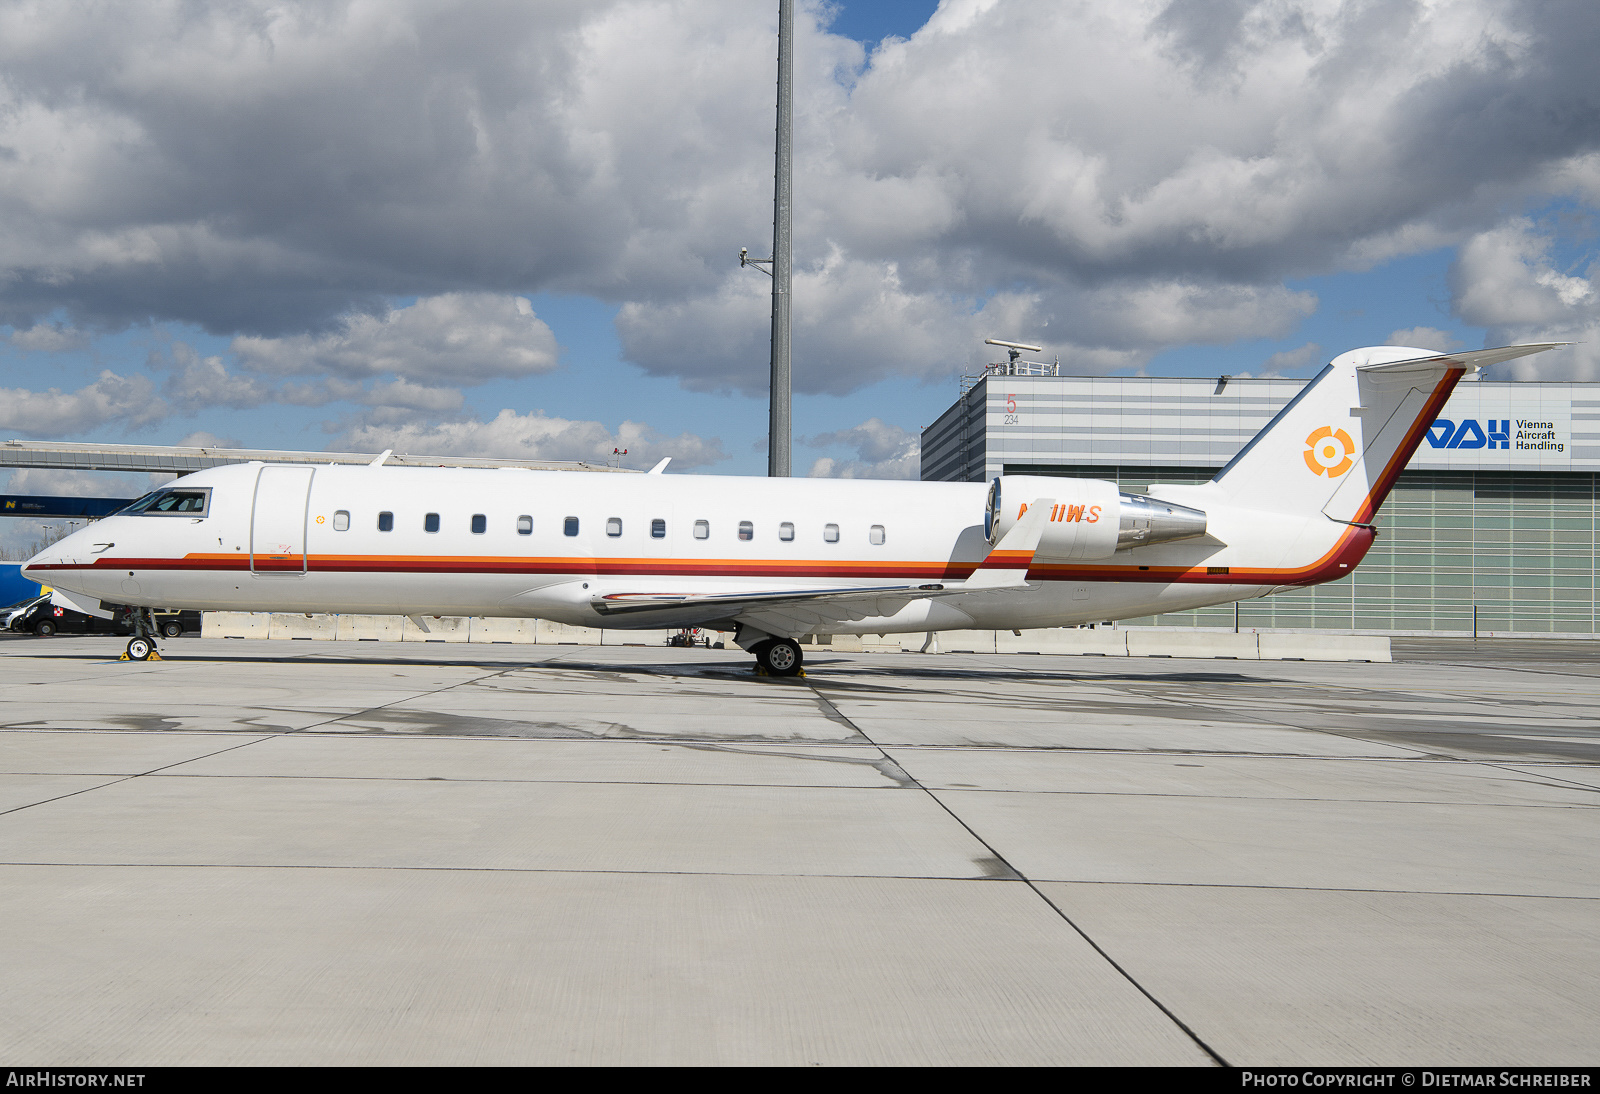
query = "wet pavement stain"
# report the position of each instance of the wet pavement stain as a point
(1455, 744)
(410, 722)
(994, 869)
(886, 767)
(150, 723)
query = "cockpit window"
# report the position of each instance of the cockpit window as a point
(172, 502)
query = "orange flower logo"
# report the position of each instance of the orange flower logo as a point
(1329, 452)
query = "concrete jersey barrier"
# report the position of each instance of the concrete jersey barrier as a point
(1099, 641)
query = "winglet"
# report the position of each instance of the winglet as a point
(387, 452)
(1006, 566)
(660, 467)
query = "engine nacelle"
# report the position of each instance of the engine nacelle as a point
(1089, 518)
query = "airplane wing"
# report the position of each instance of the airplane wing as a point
(811, 605)
(799, 610)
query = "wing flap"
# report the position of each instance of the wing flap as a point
(810, 605)
(629, 603)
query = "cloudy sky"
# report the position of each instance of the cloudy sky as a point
(512, 229)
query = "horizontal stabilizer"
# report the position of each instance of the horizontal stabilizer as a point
(1472, 358)
(1338, 447)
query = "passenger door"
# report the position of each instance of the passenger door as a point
(278, 520)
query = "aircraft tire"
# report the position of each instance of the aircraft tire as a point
(780, 657)
(140, 649)
(44, 628)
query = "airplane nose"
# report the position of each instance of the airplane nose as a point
(35, 568)
(42, 567)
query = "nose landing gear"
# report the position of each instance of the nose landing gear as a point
(142, 646)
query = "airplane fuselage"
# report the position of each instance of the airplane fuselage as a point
(775, 559)
(547, 544)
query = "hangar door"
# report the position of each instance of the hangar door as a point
(278, 520)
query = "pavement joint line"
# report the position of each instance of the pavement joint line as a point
(1275, 798)
(129, 777)
(1203, 754)
(1573, 784)
(809, 742)
(243, 744)
(516, 782)
(1020, 876)
(72, 794)
(168, 774)
(1517, 667)
(985, 880)
(966, 878)
(412, 697)
(1284, 723)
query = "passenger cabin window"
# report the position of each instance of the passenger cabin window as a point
(702, 529)
(430, 523)
(876, 535)
(830, 533)
(341, 520)
(480, 524)
(747, 531)
(570, 527)
(786, 531)
(524, 525)
(658, 529)
(613, 526)
(385, 522)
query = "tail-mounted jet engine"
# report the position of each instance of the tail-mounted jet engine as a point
(1089, 518)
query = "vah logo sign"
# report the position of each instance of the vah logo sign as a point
(1495, 433)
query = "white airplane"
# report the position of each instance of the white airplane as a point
(776, 559)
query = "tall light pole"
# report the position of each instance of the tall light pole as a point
(780, 267)
(778, 425)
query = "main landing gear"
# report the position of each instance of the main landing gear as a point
(142, 646)
(779, 656)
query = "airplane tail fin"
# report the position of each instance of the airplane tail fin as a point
(1340, 444)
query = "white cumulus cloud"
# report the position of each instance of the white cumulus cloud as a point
(1291, 360)
(1504, 279)
(883, 451)
(535, 436)
(49, 337)
(461, 337)
(127, 400)
(1424, 338)
(1108, 179)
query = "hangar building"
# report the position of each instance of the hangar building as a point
(1490, 530)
